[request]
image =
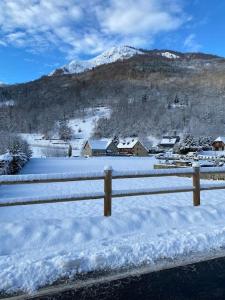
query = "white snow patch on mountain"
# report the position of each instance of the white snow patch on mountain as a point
(169, 55)
(7, 103)
(109, 56)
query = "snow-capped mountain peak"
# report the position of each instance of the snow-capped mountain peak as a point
(114, 54)
(109, 56)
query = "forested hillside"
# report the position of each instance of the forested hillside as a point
(150, 94)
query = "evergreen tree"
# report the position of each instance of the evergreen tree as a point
(70, 150)
(65, 132)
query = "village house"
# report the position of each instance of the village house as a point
(168, 142)
(99, 147)
(219, 144)
(132, 146)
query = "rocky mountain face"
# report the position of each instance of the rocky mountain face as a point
(150, 92)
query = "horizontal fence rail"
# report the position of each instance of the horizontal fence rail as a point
(52, 199)
(49, 178)
(152, 173)
(143, 192)
(108, 175)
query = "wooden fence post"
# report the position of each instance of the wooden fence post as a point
(196, 184)
(108, 191)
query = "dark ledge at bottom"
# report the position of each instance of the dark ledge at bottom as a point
(195, 277)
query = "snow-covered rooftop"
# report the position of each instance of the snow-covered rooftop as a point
(127, 143)
(99, 144)
(220, 139)
(168, 141)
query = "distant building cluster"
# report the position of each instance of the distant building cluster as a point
(126, 147)
(132, 146)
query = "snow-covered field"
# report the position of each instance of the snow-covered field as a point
(41, 243)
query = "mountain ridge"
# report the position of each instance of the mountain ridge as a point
(147, 94)
(119, 53)
(109, 56)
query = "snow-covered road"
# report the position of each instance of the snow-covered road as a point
(41, 243)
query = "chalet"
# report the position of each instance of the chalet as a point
(169, 142)
(219, 144)
(99, 148)
(132, 146)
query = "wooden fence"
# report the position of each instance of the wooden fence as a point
(108, 175)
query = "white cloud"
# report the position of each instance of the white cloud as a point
(88, 26)
(191, 44)
(34, 24)
(2, 43)
(139, 17)
(16, 38)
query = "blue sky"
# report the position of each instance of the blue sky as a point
(37, 36)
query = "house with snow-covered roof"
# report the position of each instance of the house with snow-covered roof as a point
(99, 147)
(219, 144)
(132, 146)
(168, 142)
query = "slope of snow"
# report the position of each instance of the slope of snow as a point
(42, 243)
(82, 128)
(109, 56)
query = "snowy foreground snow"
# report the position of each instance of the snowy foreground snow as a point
(41, 243)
